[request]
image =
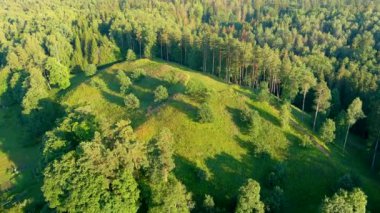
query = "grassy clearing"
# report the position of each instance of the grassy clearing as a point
(216, 158)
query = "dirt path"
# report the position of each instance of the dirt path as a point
(311, 137)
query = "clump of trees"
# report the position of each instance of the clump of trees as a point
(345, 201)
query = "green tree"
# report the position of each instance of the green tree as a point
(57, 74)
(131, 101)
(322, 100)
(36, 91)
(354, 113)
(249, 198)
(344, 201)
(327, 131)
(161, 156)
(308, 81)
(170, 197)
(79, 182)
(160, 94)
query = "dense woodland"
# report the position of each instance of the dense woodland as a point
(321, 56)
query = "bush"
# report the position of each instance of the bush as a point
(124, 81)
(197, 90)
(131, 102)
(160, 94)
(89, 69)
(208, 203)
(171, 77)
(247, 116)
(205, 114)
(137, 74)
(285, 112)
(131, 56)
(264, 94)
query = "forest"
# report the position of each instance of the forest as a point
(190, 106)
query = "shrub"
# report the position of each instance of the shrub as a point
(285, 112)
(160, 94)
(197, 90)
(208, 203)
(205, 114)
(246, 116)
(171, 77)
(264, 94)
(131, 102)
(124, 81)
(137, 74)
(131, 56)
(89, 69)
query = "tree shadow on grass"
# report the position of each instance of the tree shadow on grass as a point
(237, 118)
(190, 110)
(21, 142)
(296, 140)
(265, 115)
(111, 81)
(113, 98)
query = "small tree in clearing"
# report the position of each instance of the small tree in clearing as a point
(327, 131)
(160, 94)
(131, 102)
(131, 56)
(249, 198)
(205, 114)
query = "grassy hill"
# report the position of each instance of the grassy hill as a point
(212, 158)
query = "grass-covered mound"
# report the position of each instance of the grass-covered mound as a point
(214, 154)
(217, 157)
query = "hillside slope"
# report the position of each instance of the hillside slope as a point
(211, 158)
(216, 158)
